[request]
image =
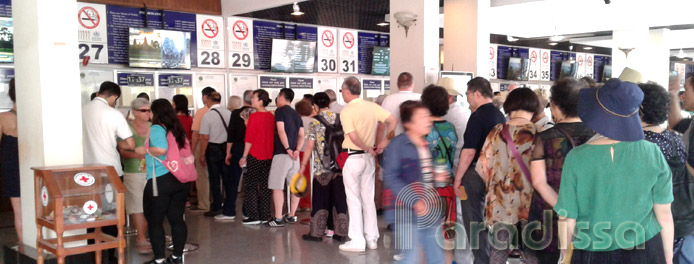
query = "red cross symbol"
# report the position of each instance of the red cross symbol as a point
(44, 196)
(84, 179)
(90, 207)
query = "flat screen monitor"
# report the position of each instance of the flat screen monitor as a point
(381, 61)
(606, 73)
(293, 55)
(6, 40)
(156, 48)
(569, 68)
(517, 69)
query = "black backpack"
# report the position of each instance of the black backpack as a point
(332, 146)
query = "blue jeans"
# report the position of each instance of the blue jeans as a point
(420, 237)
(687, 250)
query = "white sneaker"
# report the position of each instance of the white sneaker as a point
(329, 233)
(349, 247)
(222, 217)
(372, 244)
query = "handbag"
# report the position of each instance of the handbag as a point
(180, 162)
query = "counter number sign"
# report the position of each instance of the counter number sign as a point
(240, 30)
(328, 38)
(89, 18)
(210, 28)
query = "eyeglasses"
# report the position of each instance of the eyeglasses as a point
(142, 110)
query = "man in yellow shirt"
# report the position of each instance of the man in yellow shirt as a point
(202, 184)
(359, 121)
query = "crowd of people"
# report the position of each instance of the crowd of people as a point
(582, 173)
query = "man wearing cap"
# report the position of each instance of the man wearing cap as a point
(484, 117)
(202, 184)
(359, 121)
(405, 93)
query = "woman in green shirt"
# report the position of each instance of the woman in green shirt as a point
(134, 172)
(615, 194)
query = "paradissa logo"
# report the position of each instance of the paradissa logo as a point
(535, 235)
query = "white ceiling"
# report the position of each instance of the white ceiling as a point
(539, 18)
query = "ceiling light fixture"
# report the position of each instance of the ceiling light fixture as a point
(553, 44)
(587, 48)
(382, 24)
(511, 38)
(681, 54)
(556, 38)
(297, 11)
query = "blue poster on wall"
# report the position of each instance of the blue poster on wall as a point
(290, 31)
(367, 41)
(184, 22)
(307, 33)
(120, 19)
(503, 54)
(524, 53)
(384, 40)
(263, 33)
(5, 8)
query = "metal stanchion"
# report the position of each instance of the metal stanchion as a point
(129, 230)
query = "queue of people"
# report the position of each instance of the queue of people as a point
(597, 181)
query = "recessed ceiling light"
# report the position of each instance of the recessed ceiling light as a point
(297, 11)
(511, 38)
(556, 38)
(587, 48)
(553, 44)
(382, 24)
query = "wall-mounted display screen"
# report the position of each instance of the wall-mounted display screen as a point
(606, 73)
(569, 68)
(381, 61)
(518, 69)
(6, 38)
(155, 48)
(293, 55)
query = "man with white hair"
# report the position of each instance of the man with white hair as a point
(334, 106)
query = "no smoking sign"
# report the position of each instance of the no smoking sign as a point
(240, 30)
(328, 38)
(533, 56)
(348, 40)
(545, 57)
(492, 53)
(210, 28)
(88, 17)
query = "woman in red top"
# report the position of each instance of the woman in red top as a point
(180, 104)
(257, 153)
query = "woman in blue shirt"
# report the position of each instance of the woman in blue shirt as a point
(408, 171)
(172, 194)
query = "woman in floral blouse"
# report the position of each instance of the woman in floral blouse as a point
(509, 189)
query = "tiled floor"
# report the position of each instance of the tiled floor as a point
(232, 242)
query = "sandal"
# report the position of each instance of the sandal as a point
(144, 247)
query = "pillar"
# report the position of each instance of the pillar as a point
(649, 53)
(418, 51)
(466, 36)
(49, 115)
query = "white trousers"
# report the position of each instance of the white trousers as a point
(358, 176)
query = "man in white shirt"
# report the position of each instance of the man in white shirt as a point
(334, 106)
(102, 125)
(393, 101)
